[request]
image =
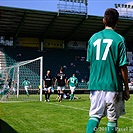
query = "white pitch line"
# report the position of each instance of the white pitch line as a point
(71, 107)
(127, 118)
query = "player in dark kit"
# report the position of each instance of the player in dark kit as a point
(48, 84)
(61, 83)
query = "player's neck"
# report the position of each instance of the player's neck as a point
(109, 28)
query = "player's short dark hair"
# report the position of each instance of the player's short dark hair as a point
(61, 68)
(73, 74)
(111, 16)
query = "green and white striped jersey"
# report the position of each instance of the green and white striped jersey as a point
(73, 81)
(26, 83)
(106, 53)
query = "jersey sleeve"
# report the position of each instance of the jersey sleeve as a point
(122, 54)
(89, 48)
(88, 52)
(76, 80)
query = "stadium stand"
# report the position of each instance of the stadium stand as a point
(49, 25)
(72, 61)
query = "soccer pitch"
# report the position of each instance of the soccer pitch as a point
(54, 117)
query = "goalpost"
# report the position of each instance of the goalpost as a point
(30, 69)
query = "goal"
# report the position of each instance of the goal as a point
(13, 76)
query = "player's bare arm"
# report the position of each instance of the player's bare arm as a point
(124, 73)
(55, 82)
(44, 84)
(67, 82)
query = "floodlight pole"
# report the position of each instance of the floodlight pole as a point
(86, 4)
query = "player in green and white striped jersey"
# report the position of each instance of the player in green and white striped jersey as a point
(108, 71)
(26, 83)
(73, 83)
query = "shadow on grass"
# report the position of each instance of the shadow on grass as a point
(5, 128)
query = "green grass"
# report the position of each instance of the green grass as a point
(54, 117)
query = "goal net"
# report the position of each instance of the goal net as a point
(11, 86)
